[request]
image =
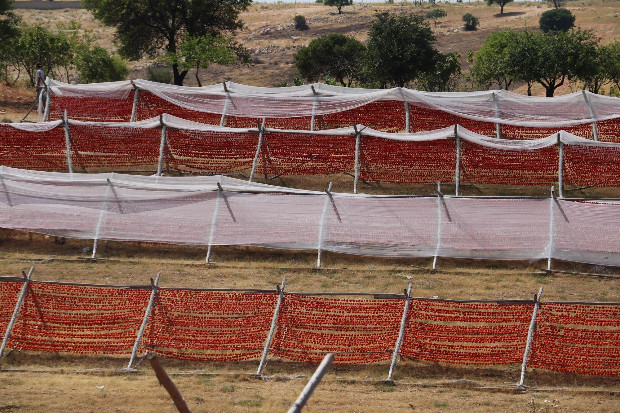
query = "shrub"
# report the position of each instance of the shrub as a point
(556, 20)
(96, 65)
(300, 23)
(160, 74)
(471, 22)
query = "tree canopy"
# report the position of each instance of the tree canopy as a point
(556, 19)
(491, 63)
(501, 4)
(338, 3)
(335, 55)
(146, 27)
(96, 65)
(400, 48)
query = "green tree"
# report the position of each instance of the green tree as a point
(556, 20)
(338, 3)
(436, 14)
(198, 52)
(606, 68)
(9, 33)
(557, 3)
(471, 22)
(334, 55)
(501, 4)
(400, 48)
(146, 27)
(491, 62)
(96, 65)
(445, 74)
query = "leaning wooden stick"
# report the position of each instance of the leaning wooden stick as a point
(314, 381)
(165, 381)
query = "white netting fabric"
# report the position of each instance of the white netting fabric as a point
(193, 211)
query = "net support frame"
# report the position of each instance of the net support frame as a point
(134, 107)
(226, 103)
(498, 126)
(216, 212)
(560, 167)
(261, 134)
(530, 338)
(104, 206)
(457, 172)
(48, 96)
(328, 196)
(65, 121)
(401, 333)
(407, 117)
(550, 245)
(439, 219)
(272, 329)
(358, 142)
(592, 115)
(315, 103)
(18, 306)
(162, 146)
(145, 319)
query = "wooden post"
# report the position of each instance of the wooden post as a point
(592, 115)
(457, 173)
(216, 212)
(101, 214)
(48, 96)
(401, 333)
(313, 117)
(272, 329)
(322, 224)
(498, 126)
(134, 107)
(358, 142)
(261, 134)
(162, 144)
(145, 320)
(67, 141)
(550, 245)
(530, 336)
(314, 381)
(560, 166)
(407, 117)
(226, 103)
(439, 216)
(168, 384)
(18, 306)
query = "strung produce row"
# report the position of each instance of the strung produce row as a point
(235, 325)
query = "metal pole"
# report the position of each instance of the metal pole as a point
(457, 174)
(401, 333)
(274, 322)
(136, 97)
(592, 115)
(216, 212)
(358, 141)
(560, 166)
(261, 134)
(530, 337)
(223, 119)
(162, 145)
(103, 209)
(551, 229)
(498, 126)
(322, 224)
(18, 306)
(314, 381)
(145, 320)
(439, 216)
(67, 141)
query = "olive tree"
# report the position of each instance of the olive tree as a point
(339, 4)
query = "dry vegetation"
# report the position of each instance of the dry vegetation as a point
(53, 382)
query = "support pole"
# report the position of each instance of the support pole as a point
(216, 212)
(560, 166)
(530, 337)
(314, 106)
(18, 306)
(457, 172)
(48, 98)
(439, 220)
(407, 117)
(272, 330)
(322, 225)
(401, 333)
(164, 380)
(162, 145)
(314, 381)
(550, 246)
(145, 320)
(358, 142)
(65, 121)
(226, 103)
(261, 134)
(101, 214)
(592, 115)
(134, 107)
(498, 126)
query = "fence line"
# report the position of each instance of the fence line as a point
(220, 325)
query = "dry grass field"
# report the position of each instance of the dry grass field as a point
(60, 382)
